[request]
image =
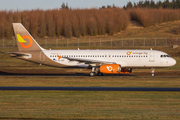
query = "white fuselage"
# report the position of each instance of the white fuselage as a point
(126, 58)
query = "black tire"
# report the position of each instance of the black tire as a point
(92, 73)
(100, 74)
(153, 74)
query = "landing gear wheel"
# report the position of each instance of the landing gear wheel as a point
(92, 73)
(100, 74)
(153, 73)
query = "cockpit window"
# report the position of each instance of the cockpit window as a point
(164, 55)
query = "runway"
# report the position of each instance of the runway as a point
(90, 89)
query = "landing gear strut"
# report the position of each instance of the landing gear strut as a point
(92, 73)
(153, 73)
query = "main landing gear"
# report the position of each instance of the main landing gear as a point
(93, 73)
(153, 73)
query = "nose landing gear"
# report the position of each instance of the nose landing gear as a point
(153, 72)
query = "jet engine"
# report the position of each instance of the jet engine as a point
(114, 69)
(110, 69)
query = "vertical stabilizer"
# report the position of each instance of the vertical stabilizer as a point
(24, 40)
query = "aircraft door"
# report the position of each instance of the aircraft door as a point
(151, 57)
(42, 56)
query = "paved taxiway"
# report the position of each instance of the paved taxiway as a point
(72, 75)
(91, 88)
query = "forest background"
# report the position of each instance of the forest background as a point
(107, 20)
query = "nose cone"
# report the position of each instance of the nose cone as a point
(172, 62)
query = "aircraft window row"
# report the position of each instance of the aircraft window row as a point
(99, 56)
(164, 55)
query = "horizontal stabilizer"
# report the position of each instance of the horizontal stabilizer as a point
(16, 54)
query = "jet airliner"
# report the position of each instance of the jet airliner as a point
(100, 61)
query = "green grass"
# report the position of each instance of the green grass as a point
(106, 81)
(89, 105)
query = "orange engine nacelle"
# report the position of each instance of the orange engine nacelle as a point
(110, 68)
(114, 69)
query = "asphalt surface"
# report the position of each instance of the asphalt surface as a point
(56, 72)
(91, 88)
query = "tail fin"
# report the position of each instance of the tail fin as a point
(24, 40)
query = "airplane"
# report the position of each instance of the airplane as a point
(99, 61)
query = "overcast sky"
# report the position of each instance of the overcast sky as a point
(51, 4)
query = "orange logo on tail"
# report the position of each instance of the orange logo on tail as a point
(21, 40)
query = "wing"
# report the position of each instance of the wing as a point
(89, 61)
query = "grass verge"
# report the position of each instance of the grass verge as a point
(89, 105)
(106, 81)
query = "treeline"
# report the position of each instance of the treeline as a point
(150, 17)
(82, 22)
(65, 22)
(174, 4)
